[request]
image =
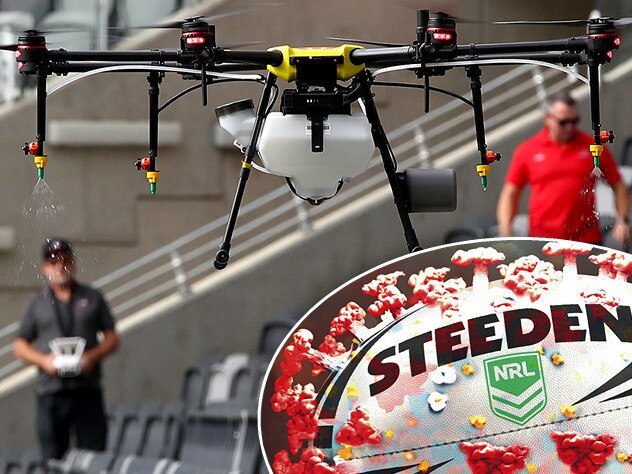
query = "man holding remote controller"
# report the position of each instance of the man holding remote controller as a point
(59, 334)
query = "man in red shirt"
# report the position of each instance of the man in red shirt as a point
(558, 165)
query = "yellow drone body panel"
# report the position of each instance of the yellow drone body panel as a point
(287, 71)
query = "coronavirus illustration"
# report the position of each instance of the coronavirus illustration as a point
(493, 356)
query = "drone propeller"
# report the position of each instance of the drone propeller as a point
(543, 22)
(357, 41)
(619, 22)
(177, 24)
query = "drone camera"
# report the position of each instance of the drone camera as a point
(428, 189)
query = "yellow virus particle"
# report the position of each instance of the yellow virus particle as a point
(467, 369)
(477, 421)
(531, 468)
(412, 422)
(388, 434)
(557, 359)
(352, 391)
(423, 466)
(408, 456)
(345, 453)
(622, 457)
(540, 350)
(568, 410)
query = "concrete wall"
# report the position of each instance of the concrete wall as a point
(113, 219)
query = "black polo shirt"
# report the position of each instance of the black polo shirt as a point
(47, 318)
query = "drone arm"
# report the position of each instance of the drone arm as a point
(564, 58)
(570, 44)
(373, 56)
(264, 58)
(61, 55)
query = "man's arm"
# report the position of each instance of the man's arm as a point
(621, 229)
(107, 346)
(507, 208)
(25, 351)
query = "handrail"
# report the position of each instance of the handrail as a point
(271, 216)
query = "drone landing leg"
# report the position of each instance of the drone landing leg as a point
(222, 256)
(390, 165)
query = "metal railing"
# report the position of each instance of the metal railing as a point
(176, 268)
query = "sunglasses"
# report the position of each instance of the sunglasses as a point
(568, 121)
(60, 258)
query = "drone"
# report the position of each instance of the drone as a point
(317, 141)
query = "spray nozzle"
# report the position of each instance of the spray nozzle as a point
(146, 164)
(483, 172)
(40, 164)
(152, 177)
(596, 151)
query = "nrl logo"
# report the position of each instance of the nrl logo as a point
(515, 386)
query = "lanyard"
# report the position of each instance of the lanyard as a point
(66, 330)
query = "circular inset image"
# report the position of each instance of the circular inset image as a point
(486, 356)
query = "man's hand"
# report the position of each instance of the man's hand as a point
(47, 364)
(621, 232)
(87, 364)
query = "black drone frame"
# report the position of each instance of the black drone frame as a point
(432, 53)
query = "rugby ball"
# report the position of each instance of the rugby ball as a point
(490, 356)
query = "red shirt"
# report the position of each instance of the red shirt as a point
(562, 201)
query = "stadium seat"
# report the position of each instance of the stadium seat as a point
(221, 377)
(163, 431)
(273, 334)
(82, 461)
(220, 436)
(118, 418)
(196, 380)
(246, 382)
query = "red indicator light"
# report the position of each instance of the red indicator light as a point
(442, 36)
(20, 65)
(609, 54)
(18, 53)
(195, 40)
(617, 41)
